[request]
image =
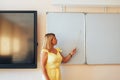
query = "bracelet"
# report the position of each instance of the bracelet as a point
(70, 54)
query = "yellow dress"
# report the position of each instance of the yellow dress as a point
(53, 64)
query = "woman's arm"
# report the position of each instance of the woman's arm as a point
(44, 56)
(69, 56)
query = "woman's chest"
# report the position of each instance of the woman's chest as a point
(54, 58)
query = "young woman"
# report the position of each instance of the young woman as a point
(51, 58)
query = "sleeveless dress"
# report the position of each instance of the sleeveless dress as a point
(53, 64)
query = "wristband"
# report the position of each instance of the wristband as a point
(70, 54)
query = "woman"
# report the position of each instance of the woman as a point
(51, 58)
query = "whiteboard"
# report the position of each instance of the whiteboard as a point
(103, 38)
(70, 32)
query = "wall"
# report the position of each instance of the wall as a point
(71, 72)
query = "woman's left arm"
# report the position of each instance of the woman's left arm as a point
(69, 56)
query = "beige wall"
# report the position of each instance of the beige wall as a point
(71, 72)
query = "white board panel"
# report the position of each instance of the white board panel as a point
(70, 32)
(103, 38)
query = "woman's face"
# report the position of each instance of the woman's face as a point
(54, 41)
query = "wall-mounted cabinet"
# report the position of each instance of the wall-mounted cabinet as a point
(103, 3)
(96, 36)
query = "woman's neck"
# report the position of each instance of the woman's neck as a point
(52, 47)
(53, 50)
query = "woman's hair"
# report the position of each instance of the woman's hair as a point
(47, 40)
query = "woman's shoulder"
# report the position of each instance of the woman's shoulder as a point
(59, 49)
(44, 50)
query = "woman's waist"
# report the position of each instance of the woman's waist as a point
(50, 66)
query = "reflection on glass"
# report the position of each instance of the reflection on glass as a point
(16, 45)
(5, 46)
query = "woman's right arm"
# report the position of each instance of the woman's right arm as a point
(44, 57)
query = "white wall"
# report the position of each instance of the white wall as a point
(71, 72)
(20, 74)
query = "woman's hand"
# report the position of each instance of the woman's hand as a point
(69, 56)
(73, 51)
